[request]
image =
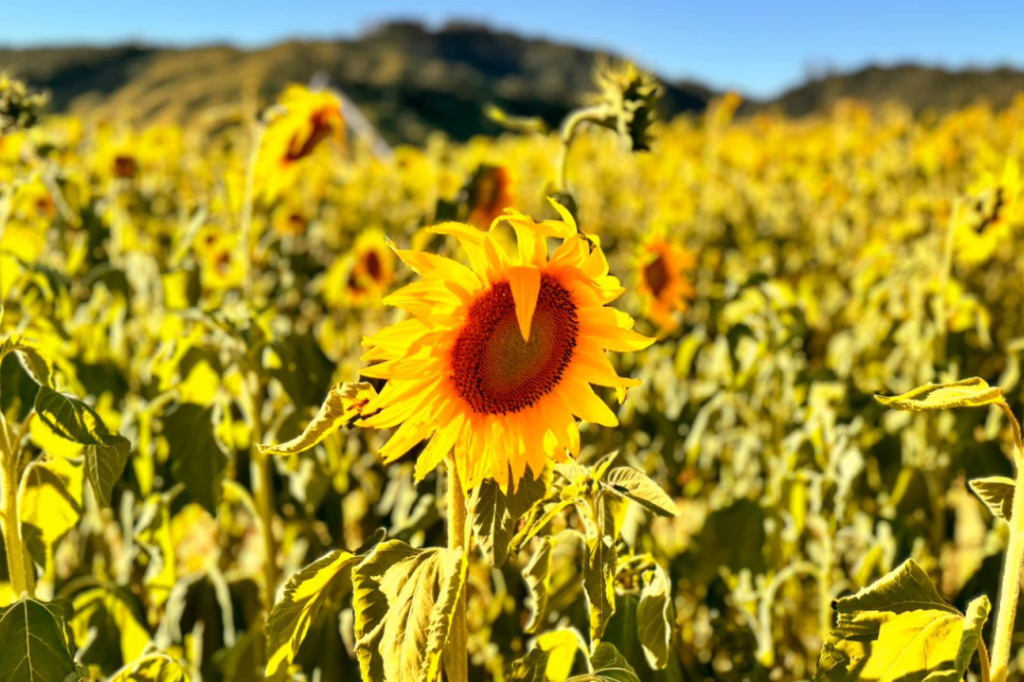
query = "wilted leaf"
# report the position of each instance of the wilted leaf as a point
(997, 494)
(306, 593)
(34, 646)
(654, 618)
(537, 575)
(197, 458)
(900, 629)
(638, 487)
(152, 668)
(496, 513)
(972, 392)
(404, 602)
(344, 404)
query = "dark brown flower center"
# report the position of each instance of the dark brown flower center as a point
(656, 275)
(494, 370)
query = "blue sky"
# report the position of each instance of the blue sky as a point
(757, 46)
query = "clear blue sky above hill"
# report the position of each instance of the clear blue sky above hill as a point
(757, 46)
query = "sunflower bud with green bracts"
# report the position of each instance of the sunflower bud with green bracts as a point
(630, 96)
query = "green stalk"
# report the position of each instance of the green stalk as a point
(18, 563)
(1009, 591)
(263, 476)
(456, 656)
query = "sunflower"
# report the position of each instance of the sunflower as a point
(487, 194)
(363, 275)
(661, 272)
(497, 359)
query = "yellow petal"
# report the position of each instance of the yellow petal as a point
(525, 284)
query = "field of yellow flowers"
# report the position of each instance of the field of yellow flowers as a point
(594, 404)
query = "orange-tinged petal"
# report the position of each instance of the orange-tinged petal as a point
(525, 284)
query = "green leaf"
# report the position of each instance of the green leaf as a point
(972, 392)
(404, 603)
(34, 646)
(496, 514)
(197, 457)
(71, 418)
(599, 572)
(608, 666)
(537, 575)
(997, 494)
(35, 364)
(326, 580)
(106, 453)
(654, 618)
(152, 668)
(109, 611)
(638, 487)
(550, 659)
(104, 465)
(343, 405)
(899, 629)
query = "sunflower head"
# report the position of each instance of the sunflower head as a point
(496, 360)
(630, 96)
(984, 221)
(662, 269)
(363, 275)
(488, 193)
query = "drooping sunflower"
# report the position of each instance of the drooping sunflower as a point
(496, 362)
(662, 279)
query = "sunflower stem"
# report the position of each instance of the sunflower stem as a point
(19, 565)
(1009, 591)
(456, 657)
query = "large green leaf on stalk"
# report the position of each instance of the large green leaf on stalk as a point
(197, 457)
(496, 514)
(106, 453)
(551, 658)
(114, 613)
(537, 575)
(35, 648)
(404, 602)
(343, 405)
(997, 494)
(972, 392)
(638, 487)
(325, 581)
(900, 629)
(599, 571)
(152, 668)
(608, 666)
(655, 617)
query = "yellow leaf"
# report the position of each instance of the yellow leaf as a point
(972, 392)
(343, 404)
(997, 494)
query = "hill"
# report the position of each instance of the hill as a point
(406, 79)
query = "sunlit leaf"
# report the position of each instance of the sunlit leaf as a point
(972, 392)
(551, 658)
(152, 668)
(537, 575)
(107, 609)
(599, 572)
(899, 629)
(34, 646)
(638, 487)
(496, 514)
(608, 666)
(104, 465)
(404, 602)
(997, 494)
(50, 501)
(655, 617)
(343, 405)
(306, 593)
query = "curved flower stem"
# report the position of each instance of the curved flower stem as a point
(568, 134)
(1009, 591)
(456, 659)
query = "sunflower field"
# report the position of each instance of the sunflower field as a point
(716, 398)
